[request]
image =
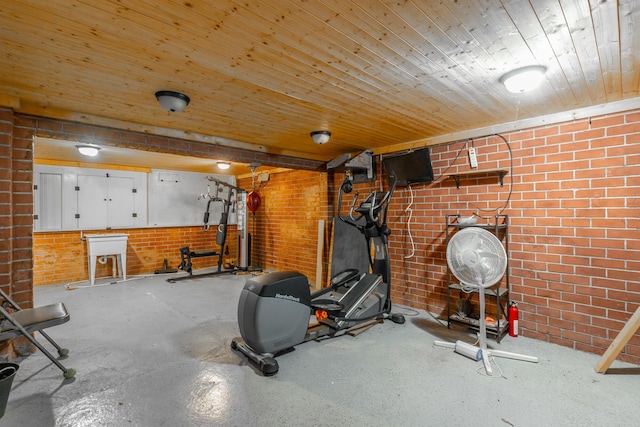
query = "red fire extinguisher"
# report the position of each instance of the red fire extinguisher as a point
(513, 319)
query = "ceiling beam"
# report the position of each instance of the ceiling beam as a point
(60, 114)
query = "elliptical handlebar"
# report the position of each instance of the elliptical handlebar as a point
(346, 187)
(353, 206)
(372, 205)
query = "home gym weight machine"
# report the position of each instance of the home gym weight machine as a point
(229, 204)
(274, 309)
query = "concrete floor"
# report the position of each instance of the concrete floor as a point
(151, 353)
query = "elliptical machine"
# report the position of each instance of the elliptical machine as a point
(275, 309)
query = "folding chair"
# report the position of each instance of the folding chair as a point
(15, 321)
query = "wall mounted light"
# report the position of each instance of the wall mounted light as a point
(172, 101)
(523, 79)
(88, 150)
(223, 165)
(320, 136)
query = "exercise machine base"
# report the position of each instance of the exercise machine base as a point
(266, 363)
(275, 312)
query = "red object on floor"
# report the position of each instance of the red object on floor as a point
(513, 319)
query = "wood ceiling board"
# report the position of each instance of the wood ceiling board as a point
(228, 124)
(629, 46)
(267, 72)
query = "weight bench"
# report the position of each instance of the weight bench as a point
(15, 321)
(186, 255)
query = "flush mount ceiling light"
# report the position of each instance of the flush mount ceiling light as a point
(523, 79)
(320, 136)
(223, 165)
(88, 150)
(172, 101)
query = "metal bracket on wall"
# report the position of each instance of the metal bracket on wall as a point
(500, 172)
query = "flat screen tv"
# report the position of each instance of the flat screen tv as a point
(411, 168)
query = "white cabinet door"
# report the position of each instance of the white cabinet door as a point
(93, 208)
(105, 201)
(47, 201)
(120, 202)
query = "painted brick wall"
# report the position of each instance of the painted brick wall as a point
(61, 257)
(285, 228)
(574, 228)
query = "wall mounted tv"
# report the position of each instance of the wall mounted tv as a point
(411, 168)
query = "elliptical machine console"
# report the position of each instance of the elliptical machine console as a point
(275, 309)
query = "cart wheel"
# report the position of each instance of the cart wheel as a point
(234, 345)
(70, 373)
(63, 352)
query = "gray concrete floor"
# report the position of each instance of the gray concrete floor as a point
(151, 353)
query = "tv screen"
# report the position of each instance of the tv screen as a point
(413, 167)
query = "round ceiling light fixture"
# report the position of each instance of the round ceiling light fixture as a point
(320, 136)
(172, 101)
(223, 165)
(88, 150)
(523, 79)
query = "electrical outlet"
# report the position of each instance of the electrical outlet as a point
(473, 159)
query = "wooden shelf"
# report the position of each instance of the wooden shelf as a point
(476, 172)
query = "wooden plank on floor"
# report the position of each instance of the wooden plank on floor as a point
(618, 343)
(356, 330)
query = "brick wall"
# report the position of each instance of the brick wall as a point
(574, 228)
(285, 228)
(61, 257)
(16, 218)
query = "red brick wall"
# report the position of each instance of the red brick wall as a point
(16, 218)
(285, 228)
(61, 257)
(574, 228)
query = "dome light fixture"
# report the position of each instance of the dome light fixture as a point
(320, 136)
(523, 79)
(223, 165)
(88, 150)
(172, 101)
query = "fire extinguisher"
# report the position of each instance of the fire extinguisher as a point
(513, 319)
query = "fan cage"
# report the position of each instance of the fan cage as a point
(476, 257)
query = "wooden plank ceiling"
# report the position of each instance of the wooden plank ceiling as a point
(262, 74)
